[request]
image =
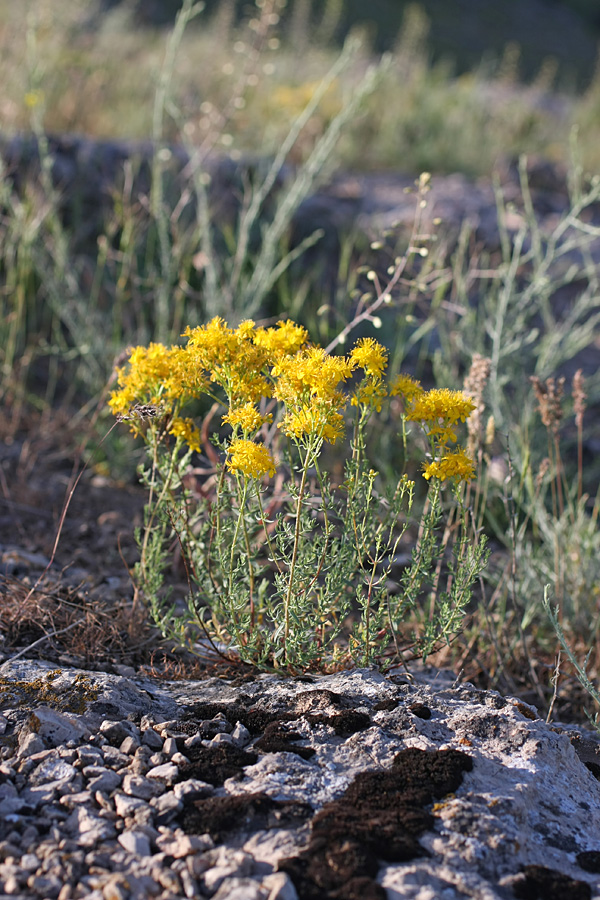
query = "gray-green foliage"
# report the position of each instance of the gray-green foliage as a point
(277, 586)
(514, 313)
(532, 313)
(581, 669)
(147, 280)
(300, 577)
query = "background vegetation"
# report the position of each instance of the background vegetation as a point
(463, 32)
(458, 109)
(226, 86)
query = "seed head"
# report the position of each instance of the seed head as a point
(549, 396)
(579, 397)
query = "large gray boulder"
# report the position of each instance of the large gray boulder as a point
(338, 786)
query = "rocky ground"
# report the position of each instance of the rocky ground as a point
(265, 788)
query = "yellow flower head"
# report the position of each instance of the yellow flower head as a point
(230, 358)
(452, 465)
(33, 99)
(245, 330)
(284, 340)
(442, 434)
(370, 392)
(438, 410)
(369, 355)
(150, 378)
(406, 387)
(252, 460)
(310, 373)
(213, 342)
(315, 419)
(189, 373)
(185, 428)
(246, 417)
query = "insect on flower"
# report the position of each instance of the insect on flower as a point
(141, 411)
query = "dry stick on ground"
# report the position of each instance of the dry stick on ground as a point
(555, 679)
(579, 398)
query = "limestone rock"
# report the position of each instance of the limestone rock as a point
(348, 785)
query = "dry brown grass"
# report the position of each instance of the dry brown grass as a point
(52, 621)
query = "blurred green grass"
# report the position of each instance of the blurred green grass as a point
(97, 74)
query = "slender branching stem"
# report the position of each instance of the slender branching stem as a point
(264, 523)
(295, 550)
(242, 492)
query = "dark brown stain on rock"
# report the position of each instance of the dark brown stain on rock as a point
(271, 724)
(588, 752)
(199, 712)
(526, 711)
(215, 764)
(309, 701)
(540, 883)
(344, 723)
(594, 768)
(386, 705)
(218, 816)
(420, 710)
(278, 740)
(380, 816)
(359, 889)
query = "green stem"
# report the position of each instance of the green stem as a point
(288, 597)
(326, 529)
(250, 567)
(367, 612)
(242, 501)
(154, 507)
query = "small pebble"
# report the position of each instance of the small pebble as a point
(135, 842)
(138, 786)
(151, 739)
(129, 745)
(169, 747)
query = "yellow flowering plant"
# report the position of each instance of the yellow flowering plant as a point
(285, 568)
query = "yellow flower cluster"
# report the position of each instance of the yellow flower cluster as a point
(241, 362)
(406, 387)
(451, 465)
(438, 411)
(230, 358)
(371, 392)
(308, 384)
(249, 364)
(310, 373)
(440, 406)
(370, 356)
(251, 459)
(315, 419)
(185, 429)
(245, 417)
(284, 340)
(155, 376)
